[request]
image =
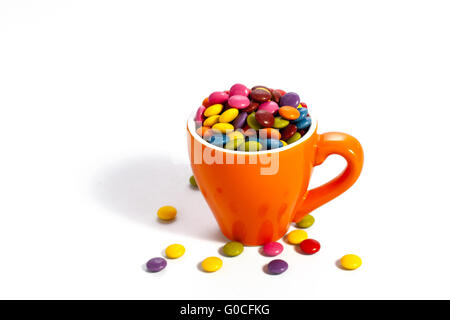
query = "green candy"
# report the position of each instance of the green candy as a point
(193, 182)
(280, 123)
(233, 249)
(250, 146)
(252, 123)
(294, 138)
(306, 222)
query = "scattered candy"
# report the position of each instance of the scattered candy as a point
(233, 249)
(277, 266)
(351, 262)
(296, 236)
(175, 251)
(212, 264)
(156, 264)
(260, 114)
(306, 222)
(193, 182)
(167, 213)
(310, 246)
(272, 249)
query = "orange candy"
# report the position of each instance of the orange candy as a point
(289, 113)
(202, 131)
(205, 102)
(270, 133)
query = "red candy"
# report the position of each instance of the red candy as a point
(310, 246)
(288, 132)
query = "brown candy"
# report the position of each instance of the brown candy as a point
(265, 118)
(276, 96)
(260, 95)
(252, 107)
(288, 132)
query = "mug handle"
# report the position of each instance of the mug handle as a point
(332, 143)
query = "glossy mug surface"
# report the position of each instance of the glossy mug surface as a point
(254, 196)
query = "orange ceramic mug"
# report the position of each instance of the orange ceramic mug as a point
(255, 196)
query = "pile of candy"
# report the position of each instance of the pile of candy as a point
(252, 120)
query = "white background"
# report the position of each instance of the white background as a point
(94, 97)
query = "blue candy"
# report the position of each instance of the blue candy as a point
(271, 144)
(303, 123)
(218, 139)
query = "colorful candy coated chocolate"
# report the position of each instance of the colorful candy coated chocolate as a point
(251, 121)
(206, 103)
(280, 123)
(229, 115)
(294, 138)
(218, 139)
(174, 251)
(303, 123)
(212, 264)
(289, 113)
(199, 117)
(272, 249)
(193, 182)
(289, 99)
(310, 246)
(233, 249)
(277, 266)
(167, 213)
(264, 118)
(156, 264)
(213, 110)
(303, 113)
(218, 97)
(276, 96)
(270, 106)
(270, 144)
(239, 90)
(240, 120)
(287, 132)
(209, 122)
(296, 236)
(250, 146)
(269, 133)
(306, 222)
(252, 107)
(260, 94)
(238, 102)
(351, 262)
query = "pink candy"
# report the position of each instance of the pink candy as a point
(199, 115)
(218, 97)
(238, 102)
(270, 106)
(239, 90)
(272, 249)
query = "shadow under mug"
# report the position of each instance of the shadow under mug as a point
(255, 196)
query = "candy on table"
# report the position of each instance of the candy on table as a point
(296, 236)
(351, 262)
(306, 222)
(167, 213)
(268, 118)
(212, 264)
(272, 249)
(175, 251)
(156, 264)
(233, 249)
(277, 266)
(310, 246)
(193, 182)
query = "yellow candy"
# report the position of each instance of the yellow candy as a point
(234, 144)
(213, 110)
(351, 262)
(212, 264)
(175, 251)
(209, 122)
(296, 236)
(167, 213)
(229, 115)
(236, 135)
(284, 143)
(250, 146)
(223, 127)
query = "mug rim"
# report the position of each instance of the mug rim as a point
(192, 131)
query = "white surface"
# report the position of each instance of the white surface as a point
(93, 101)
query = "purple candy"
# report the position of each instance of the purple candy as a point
(277, 266)
(156, 264)
(290, 99)
(240, 120)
